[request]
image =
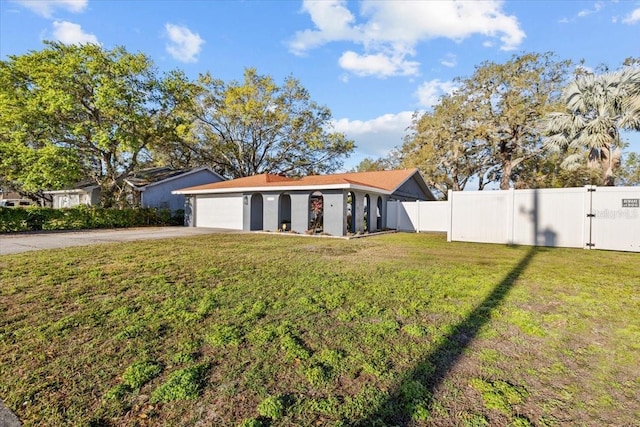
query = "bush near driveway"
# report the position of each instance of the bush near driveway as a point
(35, 218)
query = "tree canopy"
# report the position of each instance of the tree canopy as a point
(442, 144)
(71, 112)
(597, 107)
(488, 129)
(257, 126)
(78, 111)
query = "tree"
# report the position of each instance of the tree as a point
(629, 173)
(369, 164)
(255, 126)
(79, 110)
(507, 103)
(488, 129)
(597, 107)
(442, 145)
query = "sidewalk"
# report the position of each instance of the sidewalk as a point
(7, 418)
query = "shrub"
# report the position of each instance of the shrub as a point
(35, 218)
(12, 220)
(183, 384)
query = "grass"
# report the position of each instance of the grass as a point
(259, 330)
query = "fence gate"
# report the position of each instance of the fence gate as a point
(614, 219)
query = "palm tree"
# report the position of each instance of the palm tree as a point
(598, 107)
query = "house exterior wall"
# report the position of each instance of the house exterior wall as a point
(246, 211)
(270, 205)
(373, 211)
(333, 216)
(409, 191)
(334, 212)
(334, 202)
(189, 211)
(299, 211)
(94, 197)
(74, 198)
(159, 196)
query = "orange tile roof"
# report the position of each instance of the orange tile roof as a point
(384, 180)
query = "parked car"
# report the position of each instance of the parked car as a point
(16, 203)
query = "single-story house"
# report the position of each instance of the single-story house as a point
(150, 187)
(82, 193)
(337, 204)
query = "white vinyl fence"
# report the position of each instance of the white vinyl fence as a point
(586, 217)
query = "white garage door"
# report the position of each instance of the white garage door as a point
(219, 212)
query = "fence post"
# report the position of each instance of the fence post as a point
(510, 215)
(450, 226)
(587, 217)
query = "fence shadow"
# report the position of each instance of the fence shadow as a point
(432, 369)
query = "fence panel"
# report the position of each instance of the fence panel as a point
(392, 215)
(481, 216)
(408, 216)
(550, 217)
(616, 221)
(433, 216)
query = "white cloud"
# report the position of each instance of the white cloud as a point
(633, 17)
(430, 92)
(378, 136)
(333, 21)
(46, 8)
(70, 33)
(183, 44)
(450, 60)
(379, 64)
(390, 30)
(586, 12)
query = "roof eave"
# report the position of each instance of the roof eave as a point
(281, 188)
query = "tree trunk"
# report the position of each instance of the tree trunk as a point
(505, 179)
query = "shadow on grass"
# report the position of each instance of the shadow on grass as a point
(414, 392)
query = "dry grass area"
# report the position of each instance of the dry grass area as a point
(259, 330)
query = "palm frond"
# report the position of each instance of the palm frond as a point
(573, 161)
(556, 142)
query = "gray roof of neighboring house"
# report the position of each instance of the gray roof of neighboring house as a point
(141, 179)
(154, 176)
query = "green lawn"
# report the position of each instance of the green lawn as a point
(399, 329)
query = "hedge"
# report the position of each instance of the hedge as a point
(35, 218)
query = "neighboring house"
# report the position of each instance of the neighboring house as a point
(148, 188)
(337, 204)
(152, 188)
(83, 193)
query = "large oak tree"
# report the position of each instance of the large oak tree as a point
(79, 111)
(488, 129)
(257, 126)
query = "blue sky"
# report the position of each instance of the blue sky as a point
(373, 63)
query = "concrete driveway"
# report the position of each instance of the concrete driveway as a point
(23, 242)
